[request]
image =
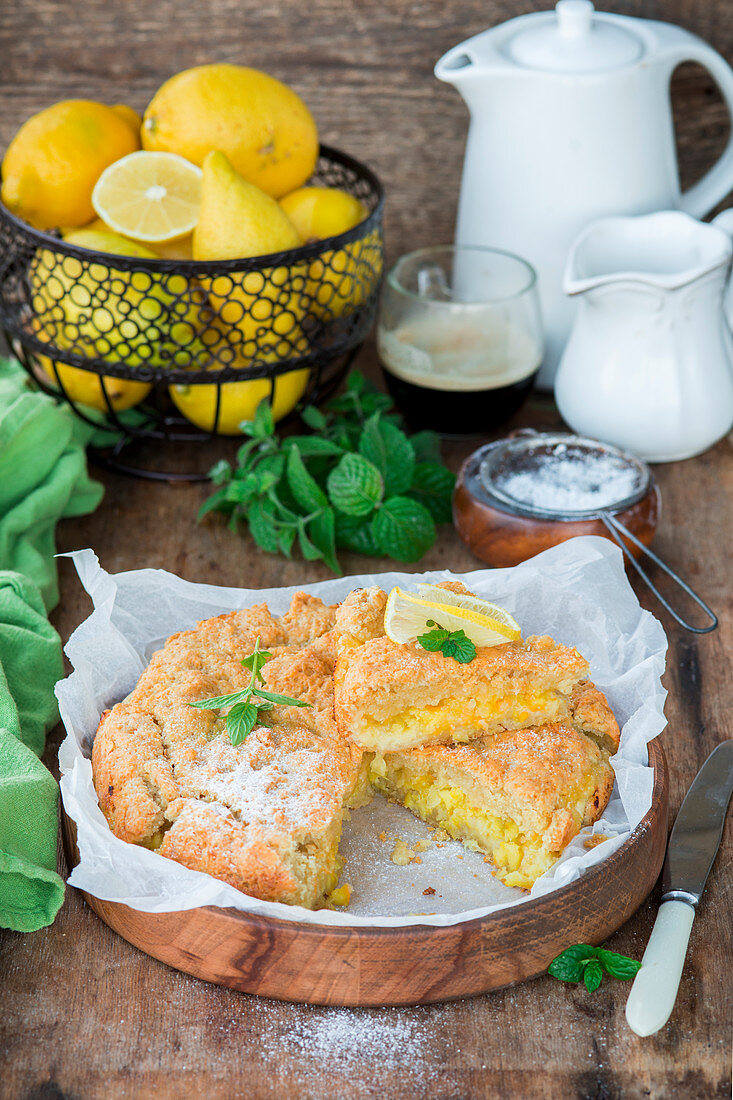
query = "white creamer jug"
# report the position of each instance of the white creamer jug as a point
(649, 363)
(570, 121)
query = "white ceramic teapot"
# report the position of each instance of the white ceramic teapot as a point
(571, 121)
(649, 363)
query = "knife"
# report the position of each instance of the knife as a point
(693, 846)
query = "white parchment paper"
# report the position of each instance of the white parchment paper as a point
(577, 592)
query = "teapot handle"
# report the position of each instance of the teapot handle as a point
(718, 181)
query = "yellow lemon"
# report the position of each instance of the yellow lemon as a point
(237, 220)
(318, 212)
(265, 129)
(407, 616)
(131, 316)
(239, 400)
(53, 162)
(342, 279)
(180, 249)
(149, 196)
(130, 116)
(84, 387)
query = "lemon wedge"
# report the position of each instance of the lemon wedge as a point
(149, 196)
(406, 616)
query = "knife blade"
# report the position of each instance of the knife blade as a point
(693, 846)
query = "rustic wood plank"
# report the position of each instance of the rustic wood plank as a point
(91, 1016)
(86, 1015)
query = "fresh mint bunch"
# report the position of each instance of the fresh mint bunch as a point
(451, 643)
(359, 482)
(248, 707)
(581, 961)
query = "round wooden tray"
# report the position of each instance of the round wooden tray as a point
(329, 965)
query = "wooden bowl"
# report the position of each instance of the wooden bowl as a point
(503, 538)
(327, 965)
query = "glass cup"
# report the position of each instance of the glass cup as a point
(460, 337)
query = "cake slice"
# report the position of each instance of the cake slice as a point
(519, 796)
(391, 697)
(264, 815)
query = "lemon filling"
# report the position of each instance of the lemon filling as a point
(459, 719)
(520, 857)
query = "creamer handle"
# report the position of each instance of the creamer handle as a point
(700, 199)
(654, 991)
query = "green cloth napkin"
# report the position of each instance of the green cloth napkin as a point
(31, 892)
(43, 477)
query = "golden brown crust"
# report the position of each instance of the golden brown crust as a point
(202, 839)
(537, 772)
(378, 680)
(265, 816)
(164, 771)
(361, 615)
(591, 714)
(519, 796)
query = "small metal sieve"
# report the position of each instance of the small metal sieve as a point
(563, 478)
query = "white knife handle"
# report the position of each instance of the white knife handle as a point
(655, 986)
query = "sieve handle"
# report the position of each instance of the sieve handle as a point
(616, 529)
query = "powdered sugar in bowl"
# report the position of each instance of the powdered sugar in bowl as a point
(521, 495)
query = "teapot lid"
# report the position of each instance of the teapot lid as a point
(573, 39)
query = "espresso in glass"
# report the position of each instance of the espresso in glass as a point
(459, 338)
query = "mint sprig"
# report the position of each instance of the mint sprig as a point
(451, 643)
(586, 963)
(359, 483)
(249, 706)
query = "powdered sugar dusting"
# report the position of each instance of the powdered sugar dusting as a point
(565, 477)
(328, 1048)
(291, 785)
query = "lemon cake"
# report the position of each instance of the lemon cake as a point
(390, 697)
(264, 815)
(519, 796)
(508, 753)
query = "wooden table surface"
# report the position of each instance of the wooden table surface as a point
(83, 1014)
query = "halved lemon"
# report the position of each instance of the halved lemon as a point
(406, 616)
(149, 196)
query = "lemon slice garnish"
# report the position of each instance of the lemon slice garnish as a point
(149, 196)
(406, 616)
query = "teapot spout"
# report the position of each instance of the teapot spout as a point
(468, 65)
(455, 65)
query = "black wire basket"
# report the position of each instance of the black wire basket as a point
(148, 349)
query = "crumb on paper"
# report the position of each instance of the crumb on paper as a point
(401, 853)
(428, 891)
(441, 836)
(341, 896)
(382, 836)
(595, 840)
(417, 859)
(422, 845)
